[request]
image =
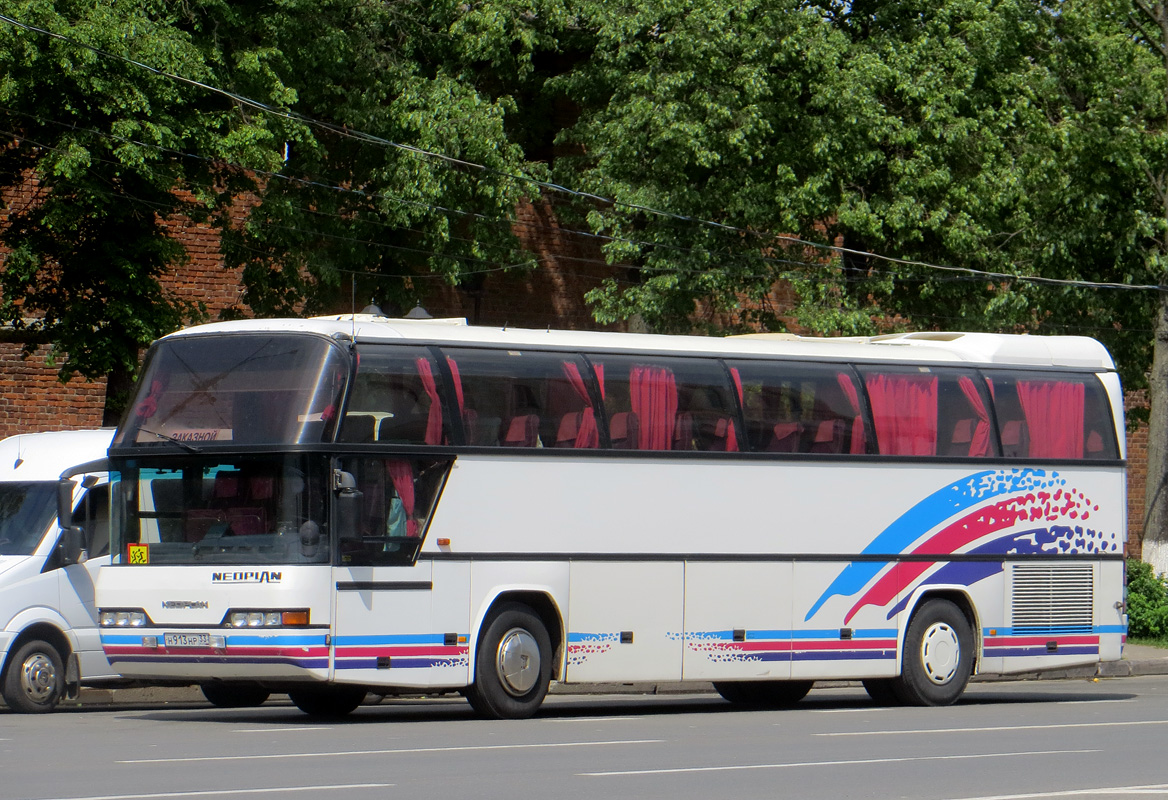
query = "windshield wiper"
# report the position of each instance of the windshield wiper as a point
(190, 448)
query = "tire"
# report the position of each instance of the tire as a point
(764, 694)
(35, 680)
(882, 691)
(512, 665)
(327, 702)
(234, 695)
(938, 656)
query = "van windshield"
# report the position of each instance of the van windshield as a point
(26, 509)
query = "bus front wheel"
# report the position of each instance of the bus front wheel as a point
(35, 679)
(938, 656)
(327, 702)
(764, 694)
(227, 695)
(512, 665)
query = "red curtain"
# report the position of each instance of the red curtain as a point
(587, 435)
(653, 395)
(904, 410)
(402, 475)
(849, 389)
(980, 445)
(1054, 417)
(434, 417)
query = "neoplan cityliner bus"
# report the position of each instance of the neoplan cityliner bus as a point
(333, 506)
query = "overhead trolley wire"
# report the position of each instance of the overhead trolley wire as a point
(363, 136)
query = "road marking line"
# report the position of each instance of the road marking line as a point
(282, 730)
(902, 759)
(232, 792)
(468, 748)
(1150, 789)
(590, 719)
(1004, 728)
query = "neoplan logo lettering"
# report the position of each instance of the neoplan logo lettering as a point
(257, 576)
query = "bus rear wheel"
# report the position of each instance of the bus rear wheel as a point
(327, 702)
(938, 656)
(512, 665)
(234, 695)
(35, 679)
(764, 694)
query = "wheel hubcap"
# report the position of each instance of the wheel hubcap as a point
(38, 678)
(517, 661)
(940, 653)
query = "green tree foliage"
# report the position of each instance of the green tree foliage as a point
(129, 113)
(1147, 602)
(1000, 136)
(395, 82)
(101, 137)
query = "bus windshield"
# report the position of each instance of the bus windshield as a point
(254, 389)
(25, 511)
(204, 510)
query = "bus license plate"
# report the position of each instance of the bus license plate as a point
(186, 639)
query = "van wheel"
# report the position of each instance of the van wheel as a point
(228, 695)
(764, 694)
(35, 680)
(512, 665)
(938, 656)
(327, 702)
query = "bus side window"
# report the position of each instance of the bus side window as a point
(656, 403)
(796, 407)
(524, 399)
(964, 424)
(395, 398)
(1052, 415)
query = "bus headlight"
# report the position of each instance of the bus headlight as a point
(267, 619)
(123, 618)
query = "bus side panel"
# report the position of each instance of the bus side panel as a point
(1109, 610)
(737, 620)
(625, 622)
(835, 640)
(384, 631)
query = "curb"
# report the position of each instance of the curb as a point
(93, 697)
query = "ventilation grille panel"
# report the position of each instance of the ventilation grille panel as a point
(1053, 598)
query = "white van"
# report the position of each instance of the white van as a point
(49, 641)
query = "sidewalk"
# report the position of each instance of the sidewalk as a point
(1137, 660)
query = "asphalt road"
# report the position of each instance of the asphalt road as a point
(1037, 739)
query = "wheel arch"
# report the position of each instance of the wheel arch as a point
(43, 631)
(959, 596)
(540, 601)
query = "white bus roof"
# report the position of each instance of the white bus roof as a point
(935, 347)
(44, 456)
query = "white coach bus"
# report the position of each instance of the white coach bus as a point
(333, 506)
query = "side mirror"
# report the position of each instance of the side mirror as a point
(70, 544)
(349, 502)
(65, 503)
